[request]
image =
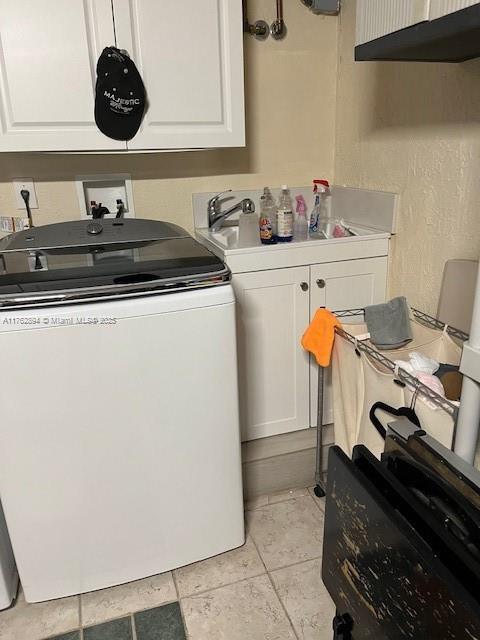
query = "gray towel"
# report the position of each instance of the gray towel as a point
(389, 324)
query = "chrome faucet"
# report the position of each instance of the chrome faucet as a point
(216, 216)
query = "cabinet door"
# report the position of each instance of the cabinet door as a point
(377, 18)
(190, 55)
(272, 314)
(439, 8)
(339, 286)
(49, 50)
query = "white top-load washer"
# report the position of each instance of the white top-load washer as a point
(8, 570)
(119, 428)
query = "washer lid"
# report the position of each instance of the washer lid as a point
(92, 259)
(85, 233)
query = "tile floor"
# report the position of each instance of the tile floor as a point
(269, 589)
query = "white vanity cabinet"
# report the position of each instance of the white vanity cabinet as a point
(273, 310)
(278, 381)
(352, 284)
(190, 55)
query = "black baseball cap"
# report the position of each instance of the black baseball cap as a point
(119, 95)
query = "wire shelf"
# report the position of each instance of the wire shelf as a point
(402, 375)
(429, 321)
(424, 318)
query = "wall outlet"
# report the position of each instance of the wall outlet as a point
(29, 185)
(325, 7)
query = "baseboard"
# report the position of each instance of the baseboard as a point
(282, 462)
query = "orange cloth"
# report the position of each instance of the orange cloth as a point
(319, 337)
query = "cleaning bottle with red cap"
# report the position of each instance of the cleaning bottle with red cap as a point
(320, 218)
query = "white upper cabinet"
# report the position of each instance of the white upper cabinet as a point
(190, 56)
(48, 54)
(377, 18)
(189, 53)
(439, 8)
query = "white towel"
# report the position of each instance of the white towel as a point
(422, 363)
(403, 364)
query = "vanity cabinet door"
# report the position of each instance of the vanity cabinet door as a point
(272, 315)
(353, 284)
(190, 56)
(48, 72)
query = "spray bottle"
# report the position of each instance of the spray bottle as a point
(320, 216)
(300, 226)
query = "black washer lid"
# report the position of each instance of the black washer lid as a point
(81, 233)
(73, 261)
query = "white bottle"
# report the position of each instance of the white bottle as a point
(248, 235)
(284, 216)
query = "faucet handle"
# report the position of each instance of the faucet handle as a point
(212, 203)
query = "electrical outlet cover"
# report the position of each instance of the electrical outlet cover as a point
(325, 7)
(105, 189)
(29, 185)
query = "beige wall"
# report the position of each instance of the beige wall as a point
(290, 93)
(414, 129)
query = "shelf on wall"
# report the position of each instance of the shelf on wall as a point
(451, 38)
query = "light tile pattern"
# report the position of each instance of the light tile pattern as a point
(115, 602)
(256, 503)
(226, 568)
(306, 600)
(268, 589)
(282, 496)
(247, 609)
(287, 532)
(40, 620)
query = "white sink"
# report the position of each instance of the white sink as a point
(240, 259)
(225, 240)
(226, 237)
